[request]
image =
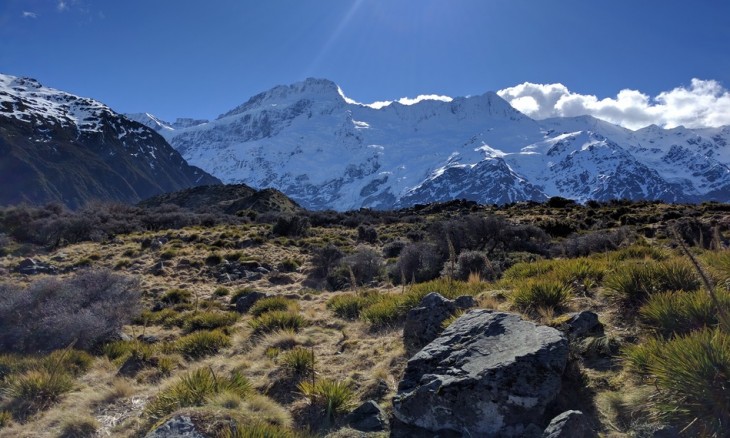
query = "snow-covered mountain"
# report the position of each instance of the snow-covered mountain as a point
(55, 146)
(326, 151)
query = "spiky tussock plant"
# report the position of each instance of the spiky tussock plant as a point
(334, 397)
(196, 389)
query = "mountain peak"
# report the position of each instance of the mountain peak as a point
(314, 89)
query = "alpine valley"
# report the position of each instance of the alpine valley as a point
(327, 151)
(58, 147)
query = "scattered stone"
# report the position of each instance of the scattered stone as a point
(570, 424)
(148, 339)
(158, 268)
(262, 270)
(244, 303)
(179, 426)
(488, 374)
(31, 266)
(368, 417)
(423, 323)
(581, 324)
(253, 276)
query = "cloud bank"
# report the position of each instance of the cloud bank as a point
(705, 103)
(402, 100)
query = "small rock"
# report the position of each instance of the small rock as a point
(423, 323)
(250, 266)
(31, 266)
(582, 323)
(179, 426)
(244, 303)
(253, 276)
(465, 302)
(368, 417)
(570, 424)
(665, 432)
(148, 339)
(262, 270)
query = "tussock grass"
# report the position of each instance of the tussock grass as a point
(196, 389)
(540, 294)
(690, 374)
(277, 320)
(635, 282)
(36, 390)
(200, 344)
(257, 430)
(333, 397)
(271, 304)
(299, 360)
(677, 313)
(209, 320)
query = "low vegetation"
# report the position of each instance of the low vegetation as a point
(138, 319)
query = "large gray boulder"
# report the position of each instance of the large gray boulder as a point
(488, 374)
(424, 323)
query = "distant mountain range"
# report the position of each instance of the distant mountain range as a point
(327, 152)
(58, 147)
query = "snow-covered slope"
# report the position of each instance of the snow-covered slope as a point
(55, 146)
(326, 151)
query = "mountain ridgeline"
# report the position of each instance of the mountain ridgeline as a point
(58, 147)
(327, 152)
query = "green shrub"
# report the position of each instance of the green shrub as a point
(277, 320)
(638, 252)
(213, 259)
(300, 360)
(288, 265)
(119, 351)
(535, 294)
(168, 254)
(209, 320)
(195, 389)
(334, 397)
(271, 304)
(200, 344)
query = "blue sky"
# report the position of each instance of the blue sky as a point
(180, 58)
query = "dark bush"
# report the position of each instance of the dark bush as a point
(393, 249)
(581, 245)
(559, 202)
(291, 226)
(470, 262)
(366, 265)
(84, 310)
(325, 260)
(367, 234)
(420, 261)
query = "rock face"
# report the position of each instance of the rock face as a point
(488, 374)
(32, 267)
(423, 323)
(570, 424)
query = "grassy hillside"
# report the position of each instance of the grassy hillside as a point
(140, 320)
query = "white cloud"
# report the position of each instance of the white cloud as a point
(28, 14)
(402, 100)
(705, 103)
(62, 6)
